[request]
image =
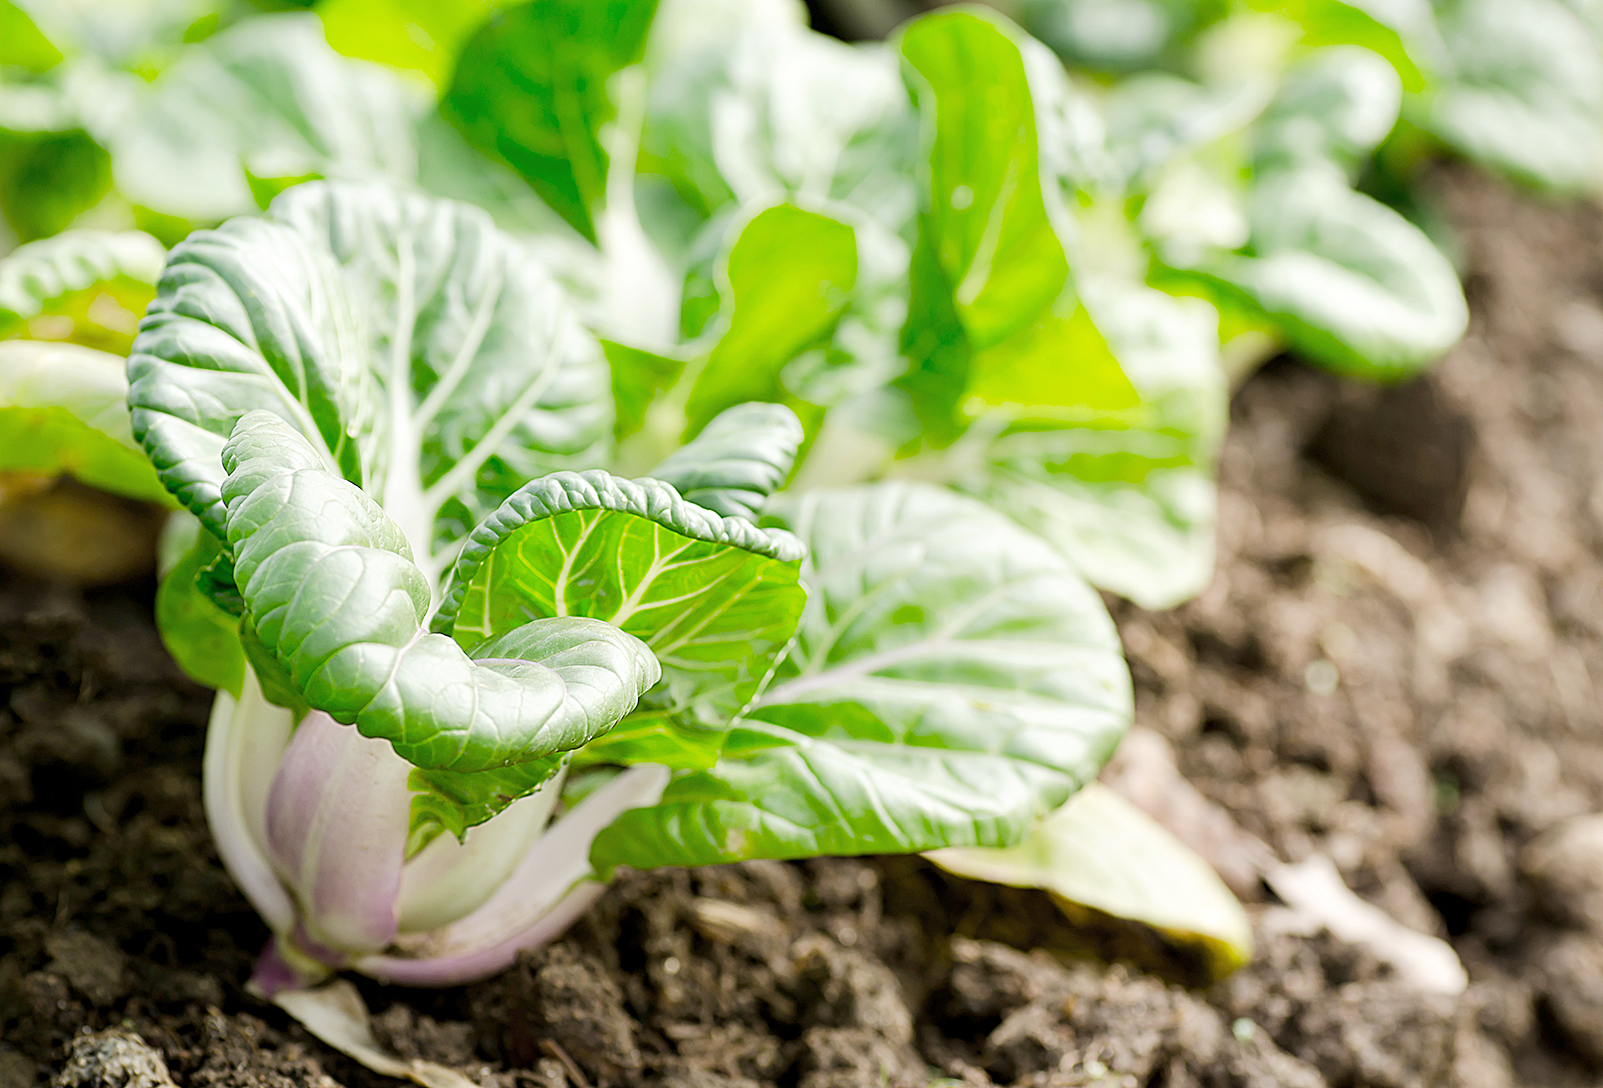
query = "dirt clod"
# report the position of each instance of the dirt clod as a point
(113, 1059)
(1565, 867)
(1571, 967)
(566, 998)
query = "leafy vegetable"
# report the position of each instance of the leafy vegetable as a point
(985, 242)
(738, 460)
(790, 274)
(653, 433)
(747, 107)
(339, 388)
(715, 598)
(412, 35)
(1526, 93)
(1514, 84)
(1127, 495)
(202, 636)
(1094, 410)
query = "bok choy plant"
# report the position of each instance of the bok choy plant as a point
(664, 435)
(380, 411)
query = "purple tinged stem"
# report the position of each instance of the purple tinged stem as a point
(464, 967)
(244, 742)
(337, 818)
(545, 894)
(279, 969)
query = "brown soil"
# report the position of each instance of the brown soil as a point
(1396, 666)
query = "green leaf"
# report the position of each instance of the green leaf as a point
(128, 34)
(453, 801)
(1096, 425)
(715, 598)
(450, 167)
(638, 376)
(1156, 119)
(21, 43)
(63, 409)
(424, 354)
(984, 223)
(1352, 284)
(1525, 94)
(749, 106)
(1059, 367)
(952, 681)
(1402, 31)
(334, 598)
(1102, 852)
(1337, 103)
(266, 101)
(96, 283)
(739, 459)
(48, 177)
(790, 274)
(1111, 455)
(1117, 35)
(532, 87)
(422, 36)
(203, 638)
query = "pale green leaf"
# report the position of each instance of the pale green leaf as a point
(984, 218)
(1155, 119)
(1404, 32)
(751, 107)
(22, 45)
(1121, 480)
(1116, 35)
(1337, 103)
(453, 801)
(123, 33)
(1352, 284)
(202, 637)
(94, 283)
(422, 36)
(253, 109)
(638, 376)
(737, 461)
(63, 409)
(1525, 94)
(1102, 852)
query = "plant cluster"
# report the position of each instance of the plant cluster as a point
(653, 433)
(1516, 85)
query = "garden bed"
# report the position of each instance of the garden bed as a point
(1394, 667)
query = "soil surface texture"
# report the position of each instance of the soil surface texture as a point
(1396, 667)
